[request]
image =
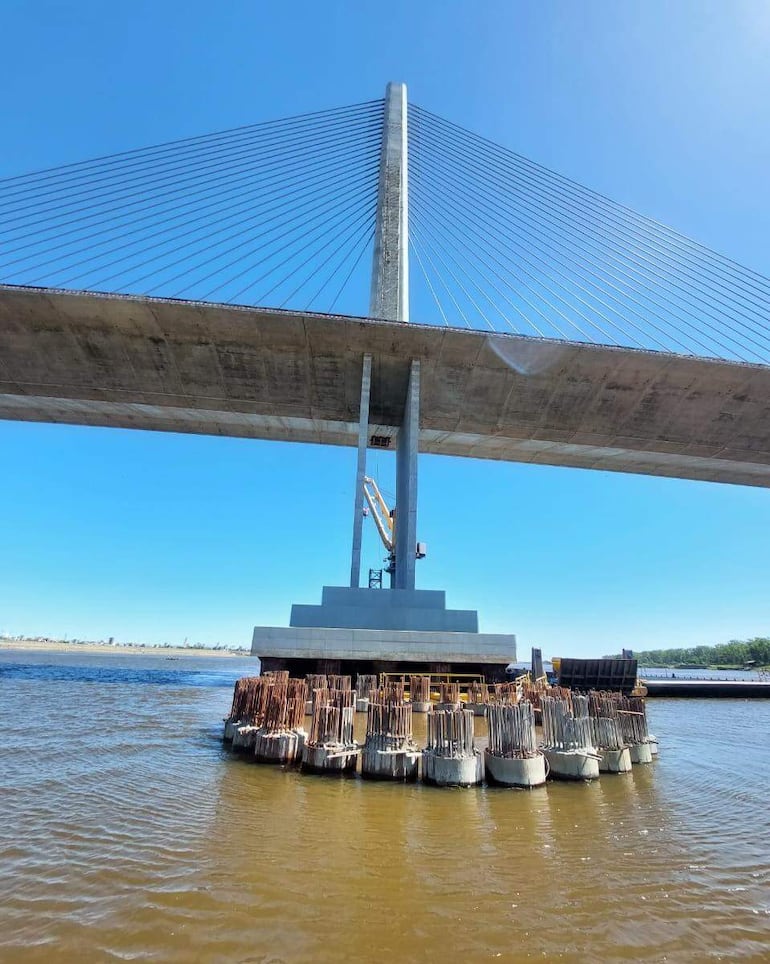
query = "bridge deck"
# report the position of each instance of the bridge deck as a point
(137, 362)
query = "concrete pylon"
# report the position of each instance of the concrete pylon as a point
(390, 266)
(389, 300)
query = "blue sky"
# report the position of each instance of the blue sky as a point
(158, 537)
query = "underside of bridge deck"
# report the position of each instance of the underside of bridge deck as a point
(178, 366)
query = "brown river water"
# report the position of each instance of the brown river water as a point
(127, 832)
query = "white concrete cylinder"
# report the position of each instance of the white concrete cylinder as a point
(308, 707)
(328, 759)
(402, 766)
(420, 706)
(653, 744)
(230, 726)
(479, 709)
(615, 761)
(640, 753)
(572, 764)
(362, 705)
(442, 771)
(514, 771)
(244, 737)
(283, 747)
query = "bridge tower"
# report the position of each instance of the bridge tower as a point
(389, 301)
(360, 628)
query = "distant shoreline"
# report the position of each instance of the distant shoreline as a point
(62, 647)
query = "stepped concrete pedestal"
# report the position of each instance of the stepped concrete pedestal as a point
(572, 764)
(515, 771)
(615, 761)
(382, 630)
(442, 771)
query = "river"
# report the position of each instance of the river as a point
(129, 833)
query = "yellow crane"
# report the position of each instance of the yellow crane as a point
(385, 521)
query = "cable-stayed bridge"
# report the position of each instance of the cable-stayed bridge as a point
(219, 284)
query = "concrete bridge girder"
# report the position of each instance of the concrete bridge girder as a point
(137, 362)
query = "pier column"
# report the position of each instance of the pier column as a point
(406, 483)
(358, 499)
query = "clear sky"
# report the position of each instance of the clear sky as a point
(159, 538)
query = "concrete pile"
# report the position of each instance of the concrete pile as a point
(607, 733)
(419, 693)
(266, 717)
(504, 693)
(389, 752)
(449, 696)
(632, 713)
(478, 698)
(451, 759)
(330, 748)
(512, 757)
(281, 736)
(567, 738)
(315, 681)
(250, 697)
(365, 683)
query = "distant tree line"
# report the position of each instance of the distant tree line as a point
(737, 652)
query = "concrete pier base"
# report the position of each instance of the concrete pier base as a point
(640, 753)
(653, 740)
(230, 726)
(615, 761)
(447, 706)
(283, 747)
(308, 707)
(333, 759)
(479, 709)
(421, 707)
(362, 704)
(400, 765)
(572, 764)
(442, 771)
(515, 771)
(244, 737)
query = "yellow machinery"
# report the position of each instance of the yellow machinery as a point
(385, 521)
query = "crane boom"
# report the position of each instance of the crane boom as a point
(385, 521)
(381, 502)
(386, 537)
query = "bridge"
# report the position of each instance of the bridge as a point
(214, 285)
